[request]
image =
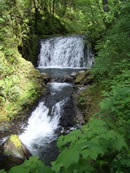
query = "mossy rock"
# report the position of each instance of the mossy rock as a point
(89, 99)
(80, 77)
(83, 78)
(14, 148)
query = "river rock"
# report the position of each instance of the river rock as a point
(73, 74)
(13, 148)
(68, 78)
(45, 77)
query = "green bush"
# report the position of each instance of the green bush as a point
(93, 148)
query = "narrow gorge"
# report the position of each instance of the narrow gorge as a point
(61, 58)
(55, 114)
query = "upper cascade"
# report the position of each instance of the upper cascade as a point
(65, 52)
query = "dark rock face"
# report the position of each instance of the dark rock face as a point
(68, 116)
(49, 153)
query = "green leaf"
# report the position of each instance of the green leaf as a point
(1, 20)
(18, 169)
(66, 159)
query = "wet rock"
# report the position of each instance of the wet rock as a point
(73, 75)
(67, 119)
(45, 77)
(68, 78)
(14, 149)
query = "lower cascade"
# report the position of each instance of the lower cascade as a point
(46, 122)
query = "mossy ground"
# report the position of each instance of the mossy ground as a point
(89, 100)
(20, 85)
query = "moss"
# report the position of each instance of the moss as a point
(80, 77)
(15, 140)
(89, 100)
(3, 117)
(83, 78)
(20, 85)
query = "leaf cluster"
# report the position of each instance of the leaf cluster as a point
(33, 165)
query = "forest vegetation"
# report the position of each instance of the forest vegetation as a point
(102, 145)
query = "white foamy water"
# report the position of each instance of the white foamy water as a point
(41, 126)
(64, 52)
(56, 86)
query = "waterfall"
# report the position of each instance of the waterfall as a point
(41, 127)
(44, 121)
(64, 52)
(55, 113)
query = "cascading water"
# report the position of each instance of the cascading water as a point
(42, 129)
(55, 112)
(64, 52)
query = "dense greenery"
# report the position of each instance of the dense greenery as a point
(18, 78)
(102, 145)
(113, 48)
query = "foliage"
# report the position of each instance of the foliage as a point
(115, 106)
(92, 148)
(18, 86)
(33, 165)
(102, 144)
(113, 49)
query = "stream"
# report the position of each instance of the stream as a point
(55, 114)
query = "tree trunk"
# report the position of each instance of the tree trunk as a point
(36, 16)
(53, 6)
(105, 5)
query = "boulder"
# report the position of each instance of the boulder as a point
(13, 148)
